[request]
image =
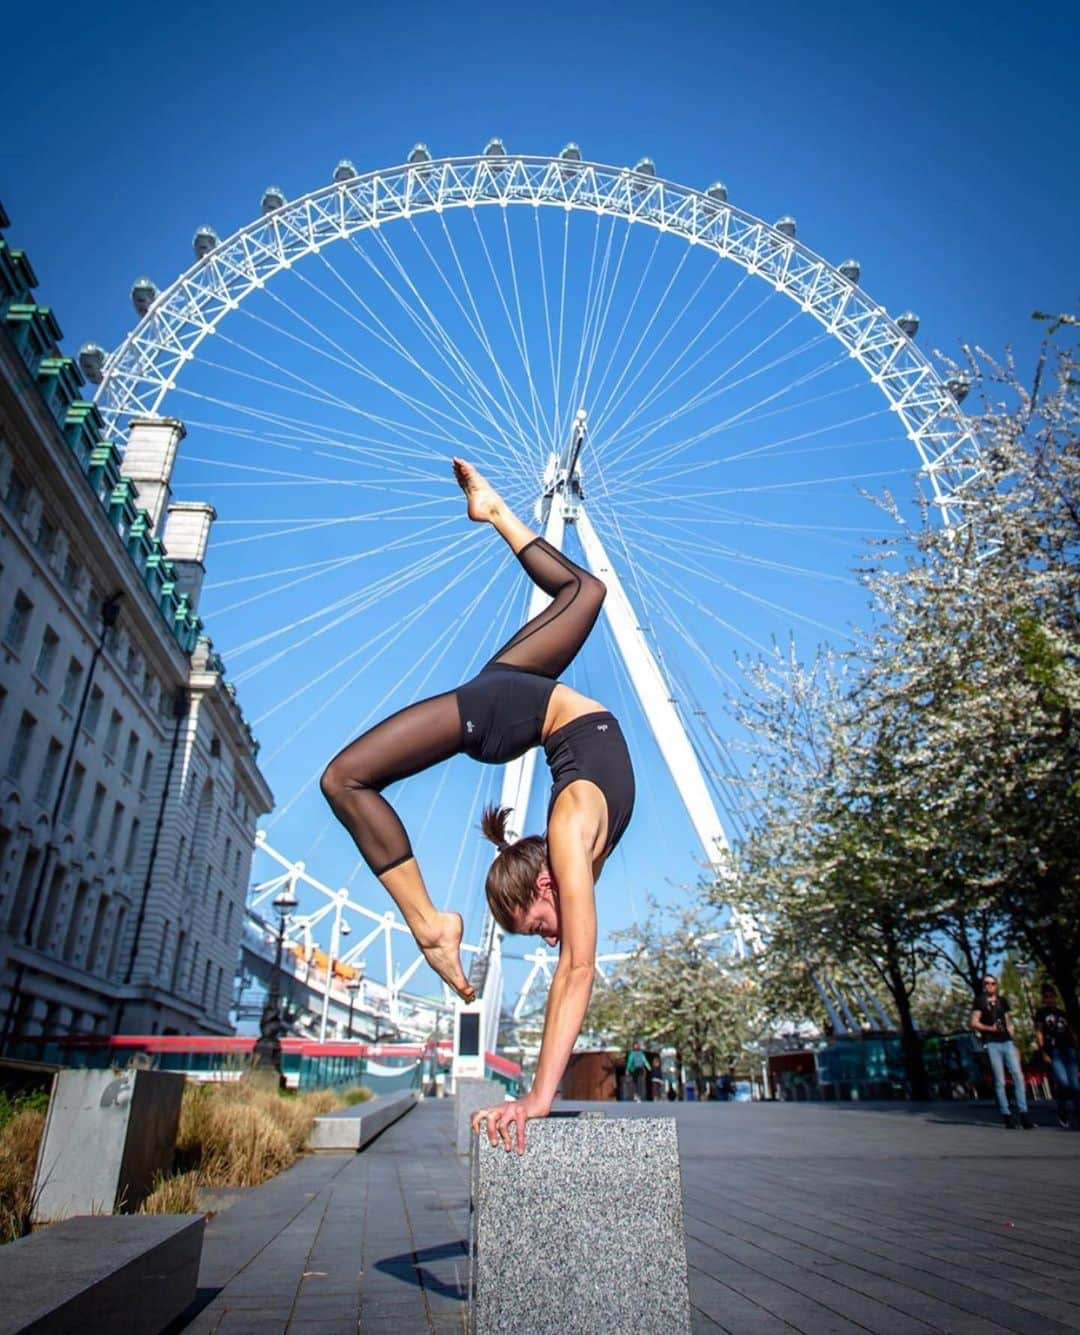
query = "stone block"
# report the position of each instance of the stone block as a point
(352, 1128)
(469, 1097)
(109, 1274)
(581, 1234)
(106, 1137)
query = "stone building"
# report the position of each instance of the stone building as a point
(129, 788)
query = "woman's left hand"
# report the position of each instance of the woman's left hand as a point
(506, 1121)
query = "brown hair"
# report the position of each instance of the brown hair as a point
(511, 878)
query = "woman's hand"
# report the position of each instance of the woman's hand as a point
(507, 1120)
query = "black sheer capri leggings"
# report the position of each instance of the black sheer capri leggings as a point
(423, 734)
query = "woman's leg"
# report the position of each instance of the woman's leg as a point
(406, 743)
(549, 642)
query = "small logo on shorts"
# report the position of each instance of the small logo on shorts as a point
(601, 727)
(468, 726)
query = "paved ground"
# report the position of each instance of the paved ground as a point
(799, 1217)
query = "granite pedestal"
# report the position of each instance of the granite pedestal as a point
(107, 1136)
(581, 1234)
(105, 1274)
(469, 1097)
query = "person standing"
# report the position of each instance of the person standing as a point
(992, 1022)
(1056, 1041)
(637, 1064)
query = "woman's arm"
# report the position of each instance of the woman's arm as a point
(570, 855)
(571, 986)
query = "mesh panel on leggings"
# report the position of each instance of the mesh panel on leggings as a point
(550, 641)
(407, 742)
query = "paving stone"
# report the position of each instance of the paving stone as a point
(798, 1217)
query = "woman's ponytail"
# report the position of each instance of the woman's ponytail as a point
(493, 825)
(511, 878)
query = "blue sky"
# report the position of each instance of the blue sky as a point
(937, 146)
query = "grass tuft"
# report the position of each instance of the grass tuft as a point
(20, 1137)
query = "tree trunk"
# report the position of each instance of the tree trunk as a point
(914, 1065)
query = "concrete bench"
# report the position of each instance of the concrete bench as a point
(109, 1274)
(352, 1128)
(582, 1233)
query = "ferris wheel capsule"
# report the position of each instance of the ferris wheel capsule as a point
(645, 167)
(494, 148)
(272, 200)
(568, 158)
(204, 241)
(909, 323)
(418, 153)
(92, 362)
(959, 386)
(851, 270)
(143, 293)
(344, 171)
(786, 225)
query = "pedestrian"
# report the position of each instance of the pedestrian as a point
(637, 1064)
(992, 1023)
(1056, 1040)
(656, 1080)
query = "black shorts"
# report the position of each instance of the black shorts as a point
(593, 747)
(502, 712)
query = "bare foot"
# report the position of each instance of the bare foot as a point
(444, 955)
(484, 500)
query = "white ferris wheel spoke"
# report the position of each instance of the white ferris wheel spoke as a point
(522, 351)
(467, 372)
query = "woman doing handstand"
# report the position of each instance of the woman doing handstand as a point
(543, 885)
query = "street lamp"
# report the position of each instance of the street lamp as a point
(354, 985)
(268, 1046)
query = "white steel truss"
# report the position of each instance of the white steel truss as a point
(300, 931)
(140, 372)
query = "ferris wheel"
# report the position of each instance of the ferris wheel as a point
(686, 395)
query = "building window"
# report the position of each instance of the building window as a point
(94, 815)
(181, 849)
(132, 663)
(20, 747)
(74, 792)
(78, 908)
(15, 496)
(206, 983)
(48, 771)
(147, 771)
(132, 845)
(46, 658)
(46, 538)
(18, 622)
(92, 717)
(130, 753)
(96, 933)
(117, 939)
(72, 678)
(71, 571)
(112, 736)
(114, 829)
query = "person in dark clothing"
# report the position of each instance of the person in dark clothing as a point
(992, 1022)
(1056, 1041)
